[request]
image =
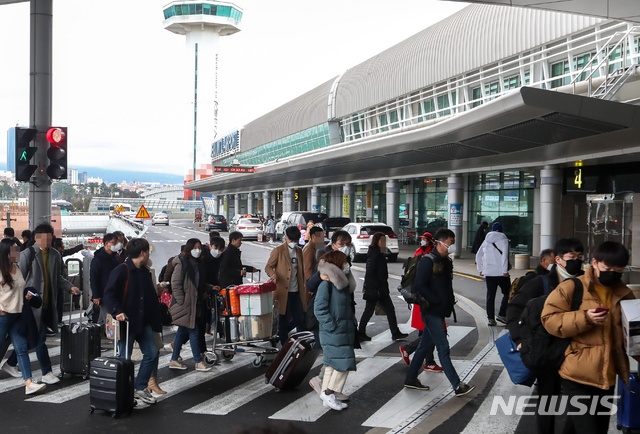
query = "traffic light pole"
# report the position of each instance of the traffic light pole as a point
(40, 102)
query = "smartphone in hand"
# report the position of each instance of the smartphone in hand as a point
(601, 309)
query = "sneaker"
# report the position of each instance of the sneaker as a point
(331, 401)
(49, 332)
(463, 389)
(174, 364)
(501, 319)
(12, 370)
(316, 384)
(433, 368)
(399, 336)
(342, 398)
(145, 397)
(362, 337)
(404, 355)
(492, 323)
(50, 378)
(201, 367)
(416, 384)
(34, 388)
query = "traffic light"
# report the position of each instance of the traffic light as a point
(57, 152)
(22, 138)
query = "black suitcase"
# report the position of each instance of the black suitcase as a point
(111, 383)
(293, 362)
(79, 345)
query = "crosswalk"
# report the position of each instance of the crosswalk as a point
(377, 363)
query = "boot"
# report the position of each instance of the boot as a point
(153, 386)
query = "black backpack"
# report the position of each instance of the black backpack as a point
(541, 351)
(410, 295)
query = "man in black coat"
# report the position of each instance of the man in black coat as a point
(568, 264)
(433, 280)
(481, 233)
(231, 269)
(130, 296)
(104, 261)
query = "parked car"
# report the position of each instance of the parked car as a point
(332, 224)
(233, 224)
(297, 218)
(281, 225)
(160, 218)
(249, 227)
(216, 222)
(361, 234)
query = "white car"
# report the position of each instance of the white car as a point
(160, 218)
(249, 227)
(281, 225)
(361, 234)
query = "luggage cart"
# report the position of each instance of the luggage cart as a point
(263, 349)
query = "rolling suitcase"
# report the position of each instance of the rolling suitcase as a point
(293, 362)
(79, 345)
(111, 383)
(628, 405)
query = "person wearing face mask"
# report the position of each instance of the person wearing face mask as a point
(285, 267)
(376, 289)
(231, 268)
(189, 287)
(104, 261)
(120, 245)
(426, 244)
(492, 260)
(596, 352)
(567, 256)
(434, 281)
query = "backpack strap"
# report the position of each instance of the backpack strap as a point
(545, 284)
(578, 293)
(494, 245)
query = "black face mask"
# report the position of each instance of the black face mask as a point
(573, 266)
(610, 278)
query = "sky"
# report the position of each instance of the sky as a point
(121, 86)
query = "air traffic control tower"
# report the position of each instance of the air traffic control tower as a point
(203, 22)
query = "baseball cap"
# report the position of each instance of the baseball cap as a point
(497, 227)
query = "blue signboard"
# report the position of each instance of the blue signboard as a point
(455, 214)
(225, 144)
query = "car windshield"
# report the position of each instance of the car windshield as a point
(249, 221)
(370, 230)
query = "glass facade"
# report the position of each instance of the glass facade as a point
(377, 203)
(304, 141)
(506, 197)
(430, 204)
(203, 9)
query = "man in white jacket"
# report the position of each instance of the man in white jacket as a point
(492, 260)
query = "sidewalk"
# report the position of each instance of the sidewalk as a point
(464, 265)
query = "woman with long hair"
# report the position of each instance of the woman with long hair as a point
(12, 299)
(376, 289)
(334, 310)
(188, 284)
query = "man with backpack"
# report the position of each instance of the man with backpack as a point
(524, 324)
(547, 260)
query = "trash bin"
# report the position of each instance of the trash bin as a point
(521, 262)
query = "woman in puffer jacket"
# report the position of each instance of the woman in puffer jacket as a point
(334, 311)
(596, 353)
(186, 281)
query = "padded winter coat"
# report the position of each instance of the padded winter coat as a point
(185, 296)
(588, 356)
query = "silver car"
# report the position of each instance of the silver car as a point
(249, 227)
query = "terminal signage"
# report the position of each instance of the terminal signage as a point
(234, 169)
(225, 144)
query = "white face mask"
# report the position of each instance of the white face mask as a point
(549, 267)
(117, 247)
(450, 249)
(423, 243)
(344, 249)
(215, 253)
(195, 253)
(346, 269)
(293, 244)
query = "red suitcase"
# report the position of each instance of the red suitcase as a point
(293, 362)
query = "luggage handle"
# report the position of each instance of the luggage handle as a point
(80, 312)
(116, 340)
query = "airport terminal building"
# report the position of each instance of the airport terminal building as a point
(523, 115)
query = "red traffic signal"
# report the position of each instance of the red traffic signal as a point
(57, 152)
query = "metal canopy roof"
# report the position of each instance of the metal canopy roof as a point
(624, 10)
(526, 128)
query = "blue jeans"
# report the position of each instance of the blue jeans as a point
(9, 323)
(42, 353)
(293, 314)
(182, 335)
(150, 355)
(434, 334)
